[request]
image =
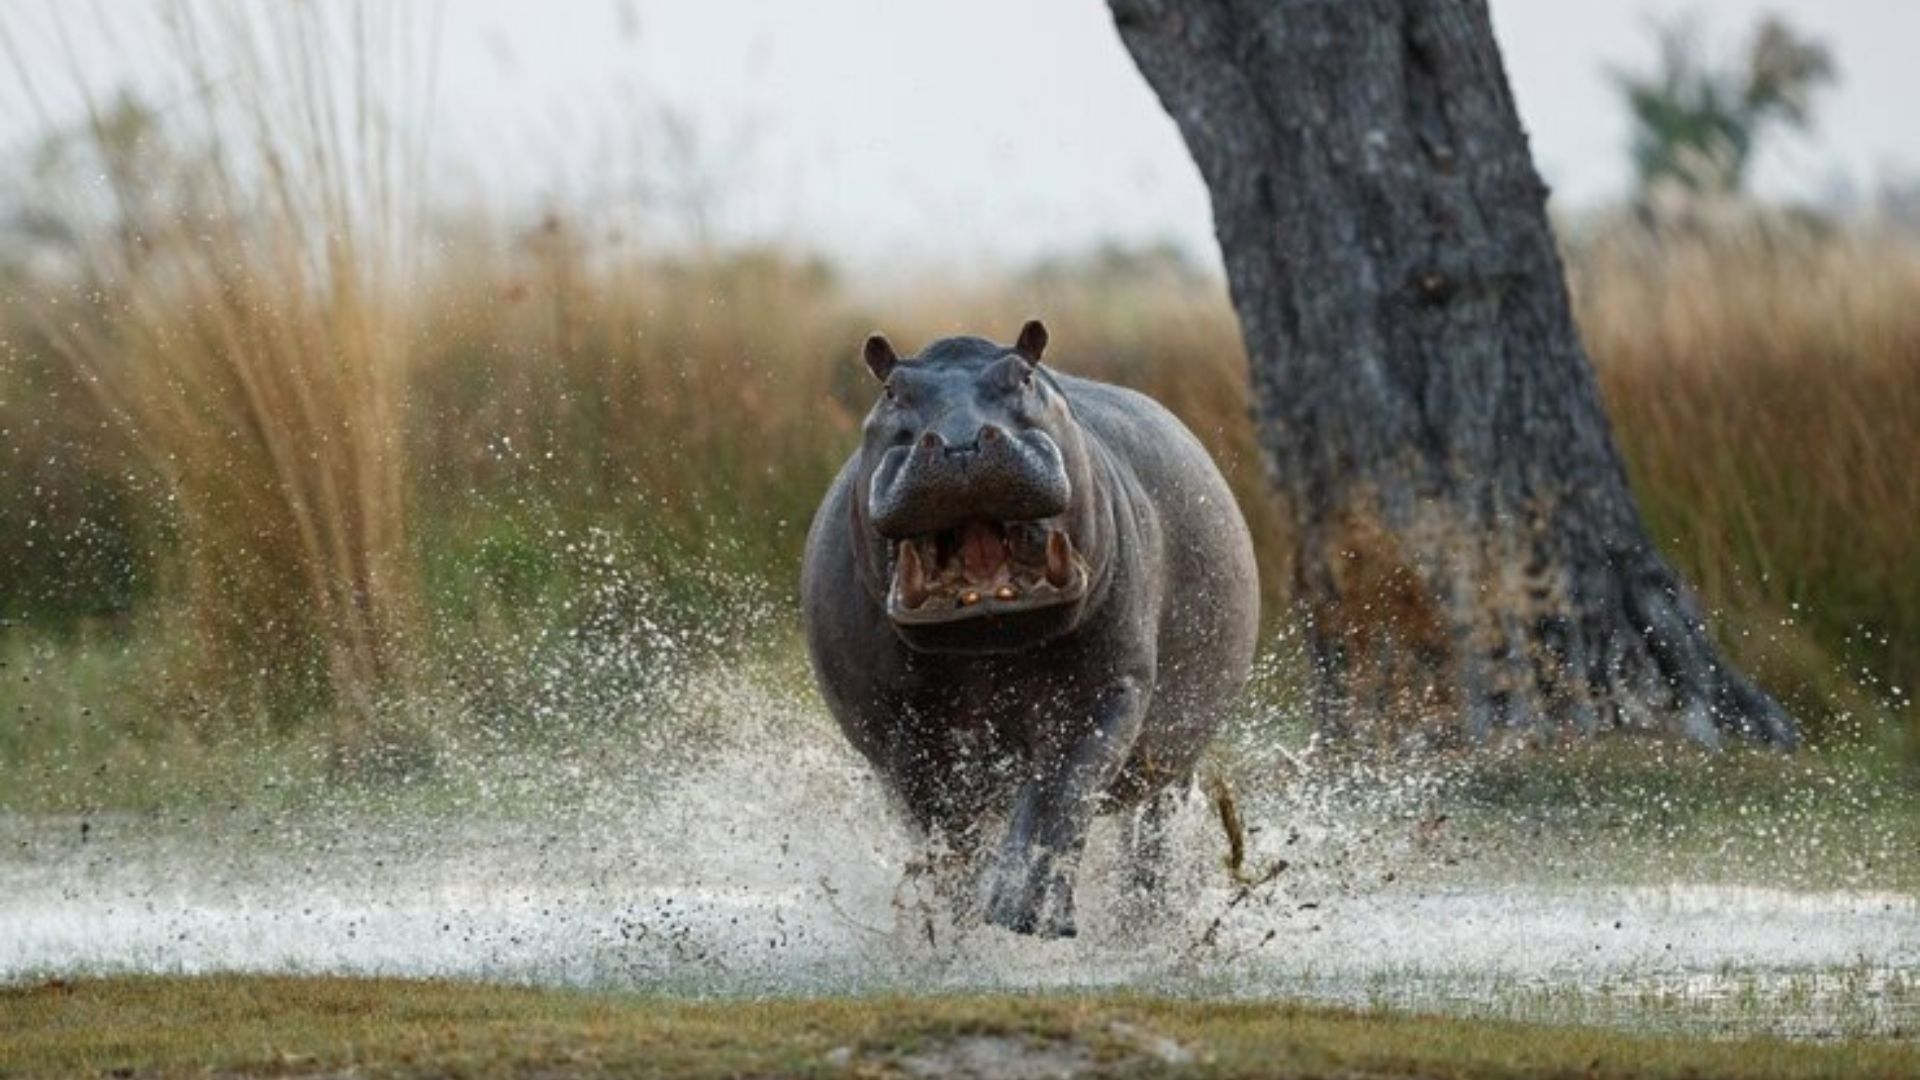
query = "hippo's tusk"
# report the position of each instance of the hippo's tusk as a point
(913, 577)
(1059, 560)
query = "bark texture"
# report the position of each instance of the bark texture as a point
(1467, 549)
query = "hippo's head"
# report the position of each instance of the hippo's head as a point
(974, 495)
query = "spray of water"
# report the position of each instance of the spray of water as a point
(647, 805)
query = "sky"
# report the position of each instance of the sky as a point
(920, 132)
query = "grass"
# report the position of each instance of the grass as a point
(310, 451)
(1764, 380)
(277, 1026)
(698, 411)
(1660, 812)
(236, 324)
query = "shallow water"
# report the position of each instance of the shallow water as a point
(767, 861)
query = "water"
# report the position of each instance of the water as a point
(737, 847)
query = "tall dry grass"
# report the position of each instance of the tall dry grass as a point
(703, 404)
(1763, 382)
(1764, 379)
(235, 300)
(555, 383)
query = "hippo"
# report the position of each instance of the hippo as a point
(1029, 598)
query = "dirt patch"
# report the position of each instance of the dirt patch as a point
(1022, 1057)
(1008, 1056)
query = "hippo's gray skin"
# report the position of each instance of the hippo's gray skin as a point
(1028, 597)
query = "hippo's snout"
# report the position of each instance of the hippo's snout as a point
(937, 483)
(973, 527)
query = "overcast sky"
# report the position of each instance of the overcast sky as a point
(923, 131)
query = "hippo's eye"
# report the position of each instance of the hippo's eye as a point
(1014, 374)
(887, 388)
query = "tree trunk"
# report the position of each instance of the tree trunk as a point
(1467, 551)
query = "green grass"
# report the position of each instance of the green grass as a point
(1651, 812)
(277, 1026)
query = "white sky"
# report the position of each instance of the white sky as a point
(927, 132)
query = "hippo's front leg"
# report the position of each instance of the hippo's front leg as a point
(1031, 890)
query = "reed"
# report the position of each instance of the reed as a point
(1764, 381)
(236, 309)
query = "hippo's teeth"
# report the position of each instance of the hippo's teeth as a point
(1006, 592)
(1027, 542)
(1059, 560)
(969, 598)
(912, 576)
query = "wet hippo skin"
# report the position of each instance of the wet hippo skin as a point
(1028, 599)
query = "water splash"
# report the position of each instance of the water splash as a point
(658, 821)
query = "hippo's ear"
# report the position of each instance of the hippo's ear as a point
(880, 356)
(1033, 341)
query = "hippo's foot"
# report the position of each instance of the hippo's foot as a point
(1034, 899)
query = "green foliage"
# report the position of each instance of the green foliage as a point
(1696, 124)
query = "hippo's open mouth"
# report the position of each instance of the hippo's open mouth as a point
(984, 568)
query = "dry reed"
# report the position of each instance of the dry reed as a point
(238, 310)
(1765, 384)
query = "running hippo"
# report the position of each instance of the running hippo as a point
(1029, 598)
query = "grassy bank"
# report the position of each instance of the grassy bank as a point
(289, 1027)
